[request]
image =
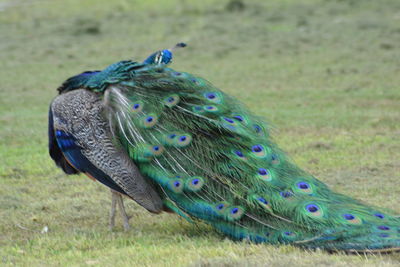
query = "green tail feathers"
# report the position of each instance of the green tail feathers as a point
(215, 161)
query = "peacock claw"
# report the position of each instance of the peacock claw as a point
(117, 198)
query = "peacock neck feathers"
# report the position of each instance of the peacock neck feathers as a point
(97, 81)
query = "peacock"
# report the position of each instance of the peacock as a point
(172, 141)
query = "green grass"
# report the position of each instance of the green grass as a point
(326, 74)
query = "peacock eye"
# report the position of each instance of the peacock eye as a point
(348, 216)
(262, 200)
(262, 171)
(210, 95)
(228, 120)
(220, 206)
(383, 227)
(312, 208)
(303, 185)
(238, 118)
(256, 148)
(239, 153)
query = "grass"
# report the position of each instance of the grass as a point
(325, 73)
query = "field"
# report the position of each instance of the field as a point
(326, 74)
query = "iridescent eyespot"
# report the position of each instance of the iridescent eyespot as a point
(264, 174)
(383, 227)
(183, 140)
(211, 108)
(258, 129)
(379, 215)
(172, 100)
(288, 235)
(228, 120)
(259, 151)
(303, 187)
(314, 210)
(286, 194)
(262, 171)
(261, 201)
(351, 218)
(170, 139)
(234, 213)
(221, 207)
(238, 118)
(215, 97)
(239, 154)
(194, 184)
(274, 159)
(137, 107)
(149, 121)
(157, 150)
(175, 186)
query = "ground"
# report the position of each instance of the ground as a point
(326, 74)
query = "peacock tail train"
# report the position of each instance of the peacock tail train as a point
(213, 160)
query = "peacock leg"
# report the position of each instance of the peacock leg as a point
(114, 196)
(125, 216)
(117, 198)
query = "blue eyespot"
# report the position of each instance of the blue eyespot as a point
(379, 215)
(238, 117)
(183, 138)
(220, 206)
(263, 200)
(348, 216)
(177, 184)
(303, 185)
(286, 194)
(210, 95)
(195, 181)
(384, 227)
(312, 208)
(228, 120)
(156, 148)
(257, 128)
(239, 153)
(136, 106)
(257, 148)
(262, 171)
(149, 119)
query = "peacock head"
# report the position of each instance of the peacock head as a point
(162, 56)
(159, 57)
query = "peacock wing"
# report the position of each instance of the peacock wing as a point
(80, 140)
